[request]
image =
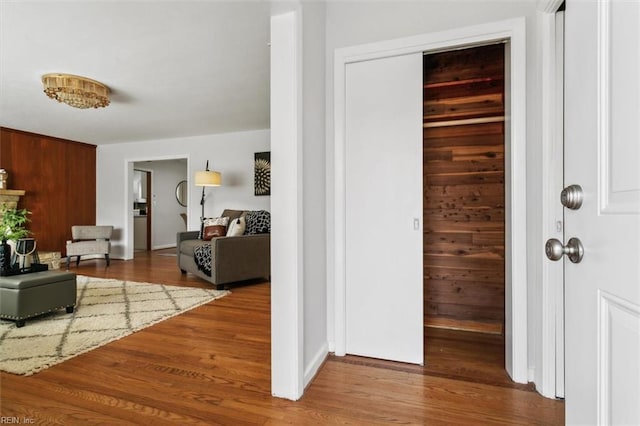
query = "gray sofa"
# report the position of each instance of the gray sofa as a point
(233, 258)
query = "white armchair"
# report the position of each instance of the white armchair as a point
(89, 240)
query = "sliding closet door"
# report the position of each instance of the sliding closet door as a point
(383, 131)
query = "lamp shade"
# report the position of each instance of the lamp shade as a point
(208, 178)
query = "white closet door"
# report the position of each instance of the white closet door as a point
(384, 273)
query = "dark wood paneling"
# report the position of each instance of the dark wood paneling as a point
(59, 177)
(464, 186)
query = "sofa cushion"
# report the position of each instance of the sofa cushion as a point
(237, 227)
(211, 231)
(258, 222)
(213, 221)
(233, 214)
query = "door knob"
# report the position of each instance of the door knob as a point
(571, 197)
(574, 250)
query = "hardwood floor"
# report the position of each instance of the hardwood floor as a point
(211, 366)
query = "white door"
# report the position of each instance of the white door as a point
(383, 131)
(602, 154)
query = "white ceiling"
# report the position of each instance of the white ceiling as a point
(180, 68)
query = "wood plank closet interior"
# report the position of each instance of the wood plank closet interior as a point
(464, 204)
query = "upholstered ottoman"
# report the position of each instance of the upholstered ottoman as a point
(27, 295)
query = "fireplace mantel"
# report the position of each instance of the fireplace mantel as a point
(10, 197)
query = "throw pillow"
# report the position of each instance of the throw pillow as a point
(237, 227)
(212, 221)
(258, 222)
(213, 231)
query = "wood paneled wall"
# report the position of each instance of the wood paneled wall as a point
(59, 177)
(463, 147)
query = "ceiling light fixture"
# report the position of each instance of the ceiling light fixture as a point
(76, 91)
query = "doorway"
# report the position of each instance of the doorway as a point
(160, 202)
(464, 202)
(142, 209)
(512, 31)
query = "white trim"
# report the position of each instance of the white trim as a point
(604, 110)
(128, 198)
(556, 287)
(513, 31)
(608, 305)
(549, 357)
(315, 364)
(163, 246)
(286, 207)
(610, 201)
(549, 6)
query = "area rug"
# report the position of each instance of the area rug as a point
(106, 310)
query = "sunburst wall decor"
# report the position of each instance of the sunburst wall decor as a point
(262, 173)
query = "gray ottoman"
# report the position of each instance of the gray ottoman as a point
(27, 295)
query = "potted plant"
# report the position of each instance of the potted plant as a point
(12, 228)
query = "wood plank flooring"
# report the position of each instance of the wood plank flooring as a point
(211, 366)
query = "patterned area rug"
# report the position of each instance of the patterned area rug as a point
(106, 310)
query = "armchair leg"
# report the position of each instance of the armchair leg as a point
(68, 262)
(77, 260)
(106, 256)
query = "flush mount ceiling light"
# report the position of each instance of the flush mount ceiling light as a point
(76, 91)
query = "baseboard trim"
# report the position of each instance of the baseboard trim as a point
(317, 361)
(163, 246)
(531, 376)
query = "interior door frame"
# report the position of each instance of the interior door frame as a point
(512, 31)
(128, 196)
(148, 176)
(549, 374)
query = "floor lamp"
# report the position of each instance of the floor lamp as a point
(207, 178)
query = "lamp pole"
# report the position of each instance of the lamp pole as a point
(202, 199)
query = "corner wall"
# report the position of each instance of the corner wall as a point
(314, 186)
(298, 292)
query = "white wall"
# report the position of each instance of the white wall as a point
(314, 190)
(298, 256)
(165, 209)
(229, 153)
(354, 23)
(287, 250)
